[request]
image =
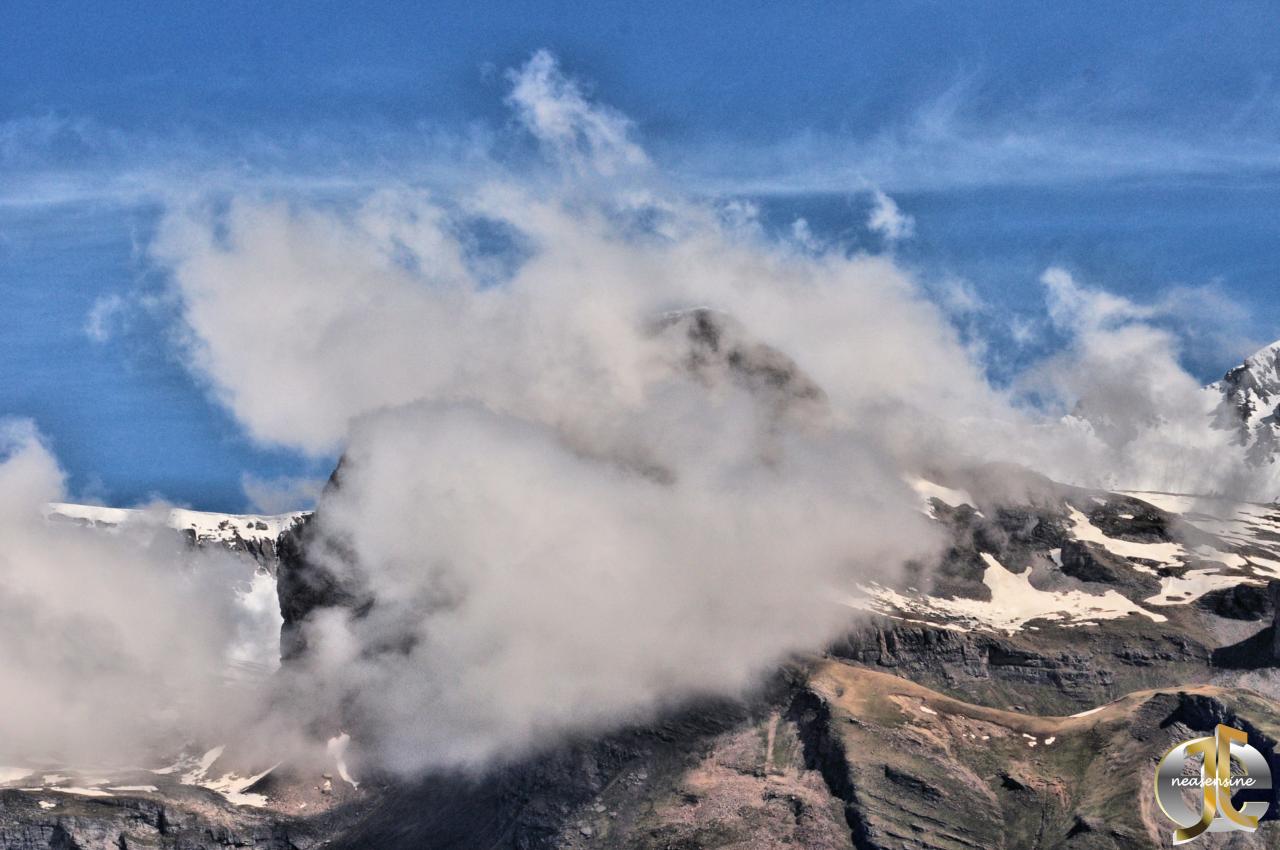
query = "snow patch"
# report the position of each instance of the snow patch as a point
(80, 792)
(201, 769)
(1193, 584)
(1086, 531)
(233, 788)
(928, 490)
(1014, 603)
(1090, 711)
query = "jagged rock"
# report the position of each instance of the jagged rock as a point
(715, 344)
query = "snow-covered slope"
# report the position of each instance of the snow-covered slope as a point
(254, 534)
(1082, 557)
(204, 526)
(1251, 403)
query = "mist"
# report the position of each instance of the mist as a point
(115, 648)
(574, 504)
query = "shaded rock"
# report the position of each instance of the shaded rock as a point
(1241, 602)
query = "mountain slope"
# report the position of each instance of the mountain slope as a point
(943, 719)
(253, 534)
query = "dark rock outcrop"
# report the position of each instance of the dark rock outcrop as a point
(1241, 602)
(1054, 669)
(1261, 649)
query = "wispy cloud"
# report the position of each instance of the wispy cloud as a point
(957, 138)
(553, 108)
(281, 495)
(952, 139)
(888, 220)
(104, 317)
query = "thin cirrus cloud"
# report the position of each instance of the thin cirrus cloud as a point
(955, 139)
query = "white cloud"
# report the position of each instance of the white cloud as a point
(105, 316)
(281, 495)
(1120, 378)
(567, 509)
(960, 297)
(1023, 330)
(1072, 305)
(561, 499)
(116, 646)
(888, 220)
(574, 503)
(554, 109)
(803, 236)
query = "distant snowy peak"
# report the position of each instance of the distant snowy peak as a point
(1069, 558)
(1251, 403)
(255, 534)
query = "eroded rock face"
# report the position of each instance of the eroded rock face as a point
(919, 770)
(1055, 670)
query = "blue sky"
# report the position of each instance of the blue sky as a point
(1137, 147)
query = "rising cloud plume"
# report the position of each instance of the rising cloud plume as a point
(607, 445)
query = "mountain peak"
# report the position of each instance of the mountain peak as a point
(1264, 366)
(1251, 403)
